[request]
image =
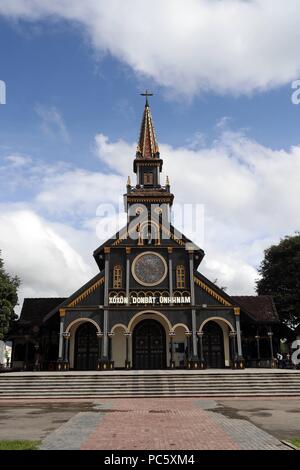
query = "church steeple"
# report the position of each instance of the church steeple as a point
(148, 166)
(147, 146)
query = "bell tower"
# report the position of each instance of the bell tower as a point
(147, 166)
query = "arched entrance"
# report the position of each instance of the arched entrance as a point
(213, 345)
(149, 345)
(86, 347)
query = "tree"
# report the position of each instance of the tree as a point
(8, 299)
(280, 277)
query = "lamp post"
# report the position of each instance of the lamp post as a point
(188, 335)
(172, 362)
(127, 362)
(202, 361)
(99, 336)
(66, 336)
(110, 335)
(232, 336)
(257, 337)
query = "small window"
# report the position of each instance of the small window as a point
(148, 178)
(180, 277)
(117, 277)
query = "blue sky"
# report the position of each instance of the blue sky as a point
(53, 65)
(224, 119)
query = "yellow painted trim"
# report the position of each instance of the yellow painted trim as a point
(214, 319)
(182, 325)
(86, 292)
(62, 312)
(159, 315)
(79, 322)
(211, 292)
(237, 311)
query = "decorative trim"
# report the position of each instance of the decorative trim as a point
(164, 229)
(128, 250)
(170, 250)
(86, 293)
(106, 249)
(141, 161)
(212, 292)
(237, 311)
(62, 312)
(224, 320)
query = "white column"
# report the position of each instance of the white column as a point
(170, 251)
(105, 313)
(238, 331)
(61, 338)
(128, 251)
(193, 304)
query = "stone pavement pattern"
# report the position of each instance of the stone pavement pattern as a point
(158, 424)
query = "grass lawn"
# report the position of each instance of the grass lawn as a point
(19, 445)
(295, 442)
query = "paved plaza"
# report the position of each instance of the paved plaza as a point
(153, 423)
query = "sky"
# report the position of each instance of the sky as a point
(222, 74)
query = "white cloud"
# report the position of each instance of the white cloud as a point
(234, 46)
(33, 249)
(18, 160)
(250, 193)
(52, 122)
(78, 192)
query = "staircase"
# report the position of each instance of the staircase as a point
(141, 384)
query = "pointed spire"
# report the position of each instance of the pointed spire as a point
(147, 145)
(128, 181)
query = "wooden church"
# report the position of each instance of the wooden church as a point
(149, 307)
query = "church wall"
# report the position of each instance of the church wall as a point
(124, 316)
(77, 315)
(203, 297)
(204, 315)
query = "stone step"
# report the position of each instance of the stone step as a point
(142, 385)
(120, 379)
(136, 393)
(72, 385)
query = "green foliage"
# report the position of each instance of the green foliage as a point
(295, 442)
(280, 277)
(8, 299)
(19, 445)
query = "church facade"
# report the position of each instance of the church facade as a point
(149, 307)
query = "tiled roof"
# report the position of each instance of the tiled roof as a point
(147, 146)
(34, 310)
(260, 307)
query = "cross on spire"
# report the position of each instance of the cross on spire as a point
(146, 94)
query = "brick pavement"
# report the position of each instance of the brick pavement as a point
(158, 424)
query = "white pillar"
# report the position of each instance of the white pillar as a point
(194, 332)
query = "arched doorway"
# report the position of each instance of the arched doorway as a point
(86, 347)
(149, 345)
(213, 345)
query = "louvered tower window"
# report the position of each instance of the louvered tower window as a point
(180, 277)
(117, 277)
(148, 178)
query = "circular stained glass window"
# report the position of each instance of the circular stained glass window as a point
(149, 269)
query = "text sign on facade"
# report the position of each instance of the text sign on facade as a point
(149, 300)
